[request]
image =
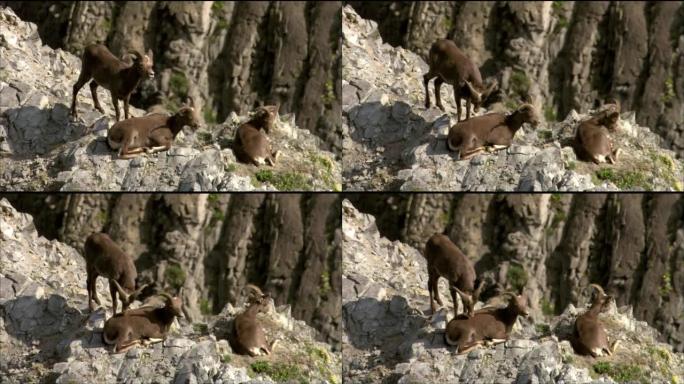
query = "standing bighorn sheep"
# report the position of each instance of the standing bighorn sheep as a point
(593, 141)
(589, 335)
(151, 133)
(486, 325)
(251, 145)
(105, 258)
(446, 260)
(119, 77)
(248, 336)
(142, 325)
(449, 64)
(493, 130)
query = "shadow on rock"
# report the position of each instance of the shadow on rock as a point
(395, 127)
(49, 323)
(36, 131)
(392, 326)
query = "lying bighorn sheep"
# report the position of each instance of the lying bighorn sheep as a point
(495, 130)
(151, 133)
(589, 336)
(490, 325)
(251, 145)
(119, 77)
(449, 64)
(446, 260)
(593, 138)
(142, 325)
(248, 336)
(105, 258)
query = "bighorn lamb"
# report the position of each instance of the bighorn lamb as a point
(449, 64)
(105, 258)
(593, 140)
(142, 325)
(589, 336)
(248, 336)
(493, 130)
(490, 325)
(151, 133)
(119, 77)
(251, 145)
(446, 260)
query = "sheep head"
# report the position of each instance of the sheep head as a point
(143, 63)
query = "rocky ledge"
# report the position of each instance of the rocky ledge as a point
(391, 141)
(43, 148)
(389, 338)
(47, 333)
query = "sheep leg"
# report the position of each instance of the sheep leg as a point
(112, 290)
(124, 153)
(115, 101)
(434, 293)
(465, 348)
(92, 291)
(468, 108)
(471, 153)
(457, 98)
(274, 157)
(157, 149)
(452, 290)
(125, 102)
(123, 347)
(438, 93)
(93, 91)
(151, 340)
(426, 81)
(82, 80)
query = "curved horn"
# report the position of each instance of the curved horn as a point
(166, 296)
(136, 54)
(254, 288)
(135, 293)
(477, 95)
(598, 288)
(509, 294)
(124, 296)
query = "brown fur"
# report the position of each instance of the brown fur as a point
(106, 70)
(105, 258)
(150, 133)
(135, 326)
(589, 336)
(493, 324)
(248, 336)
(251, 145)
(494, 129)
(449, 64)
(593, 141)
(444, 259)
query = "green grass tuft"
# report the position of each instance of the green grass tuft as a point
(520, 83)
(279, 371)
(178, 84)
(621, 372)
(623, 179)
(287, 181)
(517, 277)
(175, 275)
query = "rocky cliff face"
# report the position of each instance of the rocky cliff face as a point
(392, 142)
(226, 55)
(212, 245)
(49, 335)
(555, 245)
(565, 54)
(43, 148)
(389, 338)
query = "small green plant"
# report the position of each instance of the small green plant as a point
(178, 84)
(623, 179)
(544, 135)
(550, 113)
(325, 283)
(226, 358)
(200, 328)
(205, 307)
(519, 83)
(447, 24)
(232, 167)
(287, 181)
(669, 93)
(517, 277)
(278, 371)
(621, 372)
(209, 115)
(571, 166)
(547, 307)
(329, 95)
(175, 275)
(666, 285)
(543, 329)
(204, 138)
